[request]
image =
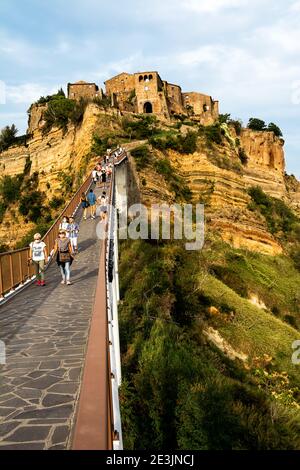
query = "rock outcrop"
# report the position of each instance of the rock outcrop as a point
(49, 155)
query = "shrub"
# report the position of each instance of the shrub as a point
(3, 248)
(104, 102)
(7, 137)
(2, 211)
(142, 156)
(237, 126)
(141, 127)
(56, 202)
(10, 188)
(213, 134)
(58, 113)
(31, 205)
(66, 180)
(76, 115)
(274, 128)
(256, 124)
(278, 215)
(181, 143)
(176, 183)
(243, 156)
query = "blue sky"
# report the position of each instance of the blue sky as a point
(243, 52)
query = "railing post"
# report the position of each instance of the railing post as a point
(11, 272)
(20, 267)
(1, 279)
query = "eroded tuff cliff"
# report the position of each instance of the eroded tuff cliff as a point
(49, 155)
(217, 178)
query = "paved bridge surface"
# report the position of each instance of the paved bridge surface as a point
(45, 330)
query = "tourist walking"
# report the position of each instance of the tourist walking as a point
(38, 256)
(74, 231)
(103, 206)
(64, 256)
(92, 202)
(84, 204)
(64, 225)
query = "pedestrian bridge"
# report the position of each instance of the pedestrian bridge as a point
(60, 357)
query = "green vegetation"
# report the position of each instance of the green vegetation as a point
(142, 156)
(274, 280)
(213, 134)
(279, 217)
(61, 111)
(259, 125)
(8, 137)
(176, 183)
(67, 181)
(243, 156)
(104, 102)
(226, 119)
(47, 99)
(179, 391)
(181, 143)
(256, 124)
(10, 188)
(141, 127)
(101, 144)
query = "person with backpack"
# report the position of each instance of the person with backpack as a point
(64, 256)
(92, 202)
(84, 204)
(74, 231)
(38, 256)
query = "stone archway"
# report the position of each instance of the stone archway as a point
(148, 109)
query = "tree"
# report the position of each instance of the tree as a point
(274, 128)
(256, 124)
(7, 137)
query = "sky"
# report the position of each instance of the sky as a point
(245, 53)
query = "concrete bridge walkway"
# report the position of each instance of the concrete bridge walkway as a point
(45, 330)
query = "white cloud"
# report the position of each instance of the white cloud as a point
(27, 93)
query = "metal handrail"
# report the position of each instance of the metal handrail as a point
(98, 421)
(14, 268)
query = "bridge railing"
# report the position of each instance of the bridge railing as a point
(98, 423)
(14, 268)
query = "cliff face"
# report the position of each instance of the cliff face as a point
(266, 163)
(50, 154)
(217, 178)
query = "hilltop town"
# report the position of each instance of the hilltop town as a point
(146, 92)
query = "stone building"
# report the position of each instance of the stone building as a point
(146, 92)
(201, 104)
(83, 89)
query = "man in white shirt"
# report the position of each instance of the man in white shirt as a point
(38, 256)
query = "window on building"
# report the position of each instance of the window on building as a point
(150, 77)
(140, 78)
(145, 77)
